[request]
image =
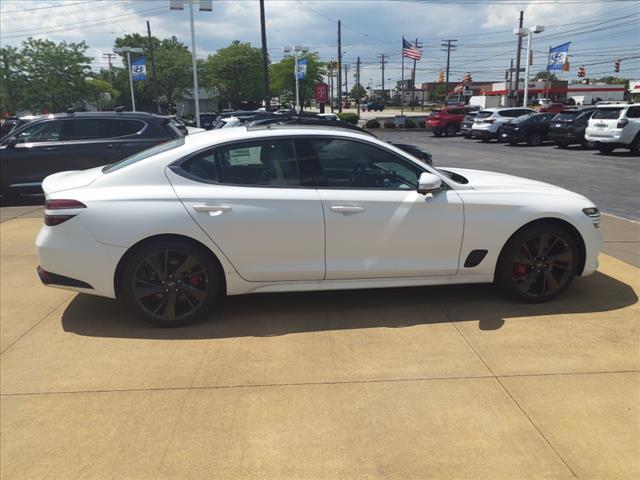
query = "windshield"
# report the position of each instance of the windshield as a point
(607, 113)
(149, 152)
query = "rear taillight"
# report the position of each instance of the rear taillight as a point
(622, 123)
(53, 219)
(490, 120)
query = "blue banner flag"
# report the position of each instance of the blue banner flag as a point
(558, 56)
(139, 69)
(301, 69)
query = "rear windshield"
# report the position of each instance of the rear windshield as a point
(149, 152)
(607, 113)
(484, 114)
(524, 118)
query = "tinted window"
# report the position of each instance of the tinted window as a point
(266, 162)
(633, 112)
(607, 113)
(127, 127)
(41, 132)
(350, 164)
(484, 114)
(88, 128)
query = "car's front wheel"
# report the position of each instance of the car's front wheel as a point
(605, 148)
(538, 263)
(534, 139)
(451, 130)
(171, 283)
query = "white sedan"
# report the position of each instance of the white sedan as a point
(248, 210)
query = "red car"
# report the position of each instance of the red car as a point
(553, 108)
(447, 120)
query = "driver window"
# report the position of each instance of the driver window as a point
(350, 164)
(41, 132)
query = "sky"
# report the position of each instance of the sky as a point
(600, 31)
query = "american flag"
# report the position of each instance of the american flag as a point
(409, 50)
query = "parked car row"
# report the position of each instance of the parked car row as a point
(604, 127)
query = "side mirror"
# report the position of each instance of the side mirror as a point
(428, 183)
(12, 142)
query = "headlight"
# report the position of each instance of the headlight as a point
(594, 213)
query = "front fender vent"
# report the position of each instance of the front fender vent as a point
(474, 258)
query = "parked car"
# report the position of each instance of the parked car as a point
(552, 107)
(75, 141)
(447, 120)
(213, 224)
(532, 129)
(207, 120)
(415, 151)
(467, 124)
(568, 127)
(615, 126)
(488, 123)
(375, 106)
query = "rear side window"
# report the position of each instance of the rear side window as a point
(633, 112)
(484, 114)
(122, 128)
(607, 113)
(270, 163)
(87, 129)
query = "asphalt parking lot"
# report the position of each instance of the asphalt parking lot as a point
(440, 382)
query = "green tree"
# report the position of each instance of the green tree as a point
(101, 93)
(358, 92)
(542, 75)
(173, 67)
(437, 94)
(283, 83)
(235, 73)
(12, 80)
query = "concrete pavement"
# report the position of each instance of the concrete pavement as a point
(401, 383)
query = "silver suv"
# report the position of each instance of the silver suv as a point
(486, 125)
(615, 126)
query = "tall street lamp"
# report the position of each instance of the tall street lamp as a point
(296, 49)
(521, 32)
(204, 6)
(128, 51)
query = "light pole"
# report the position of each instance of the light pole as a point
(204, 6)
(128, 51)
(521, 32)
(296, 49)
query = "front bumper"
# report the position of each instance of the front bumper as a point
(512, 137)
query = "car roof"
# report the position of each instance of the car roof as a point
(99, 114)
(617, 105)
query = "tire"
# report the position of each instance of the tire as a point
(634, 148)
(154, 270)
(484, 140)
(604, 148)
(437, 134)
(513, 142)
(451, 130)
(525, 270)
(562, 145)
(534, 139)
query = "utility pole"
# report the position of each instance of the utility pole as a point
(450, 45)
(109, 57)
(346, 79)
(358, 82)
(154, 78)
(413, 78)
(339, 68)
(330, 69)
(517, 80)
(382, 62)
(265, 58)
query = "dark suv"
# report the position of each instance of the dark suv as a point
(74, 141)
(568, 126)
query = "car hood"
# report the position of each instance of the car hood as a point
(483, 180)
(71, 179)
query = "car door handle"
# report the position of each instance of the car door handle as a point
(346, 209)
(213, 210)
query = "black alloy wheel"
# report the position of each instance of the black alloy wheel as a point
(171, 283)
(534, 139)
(538, 264)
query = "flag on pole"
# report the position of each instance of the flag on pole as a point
(301, 68)
(139, 69)
(410, 50)
(558, 56)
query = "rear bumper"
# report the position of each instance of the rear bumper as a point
(567, 136)
(483, 134)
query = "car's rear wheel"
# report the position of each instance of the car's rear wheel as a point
(562, 145)
(538, 263)
(437, 133)
(604, 148)
(171, 283)
(635, 146)
(534, 139)
(451, 130)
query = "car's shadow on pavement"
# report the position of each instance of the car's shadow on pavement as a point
(263, 315)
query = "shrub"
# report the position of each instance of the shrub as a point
(408, 123)
(351, 118)
(372, 124)
(389, 124)
(421, 124)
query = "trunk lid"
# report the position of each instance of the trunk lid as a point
(61, 181)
